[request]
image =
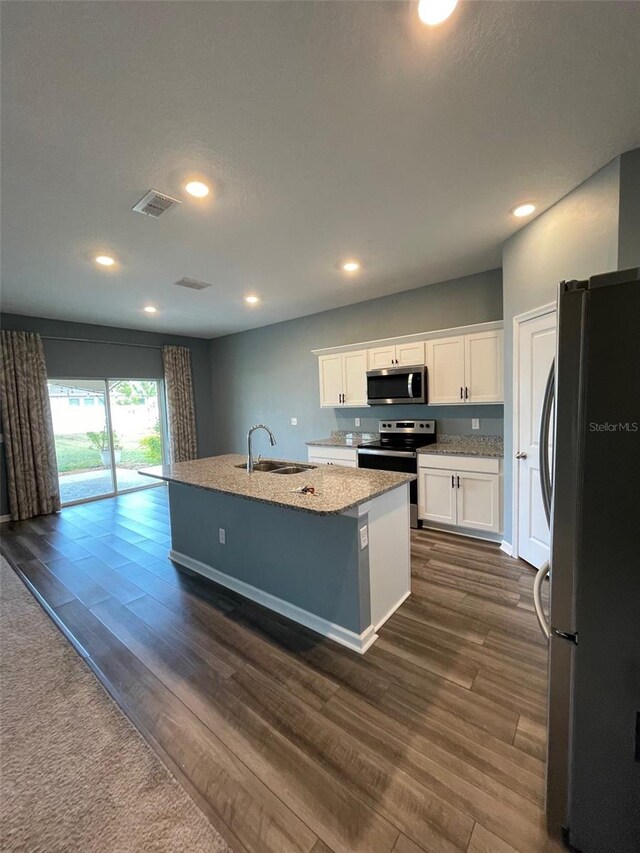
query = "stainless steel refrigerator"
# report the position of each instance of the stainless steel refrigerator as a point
(590, 472)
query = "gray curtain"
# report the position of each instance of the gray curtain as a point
(32, 474)
(180, 408)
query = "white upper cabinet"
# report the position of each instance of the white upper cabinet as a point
(483, 367)
(331, 379)
(382, 357)
(445, 363)
(466, 369)
(355, 378)
(410, 353)
(396, 356)
(465, 366)
(343, 379)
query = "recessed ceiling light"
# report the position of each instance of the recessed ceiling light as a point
(252, 300)
(434, 12)
(105, 260)
(351, 266)
(197, 189)
(150, 309)
(523, 209)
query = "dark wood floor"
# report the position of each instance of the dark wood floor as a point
(432, 741)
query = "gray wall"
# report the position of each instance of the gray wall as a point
(69, 359)
(270, 375)
(576, 238)
(629, 233)
(308, 560)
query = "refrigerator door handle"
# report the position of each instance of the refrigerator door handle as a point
(545, 626)
(545, 431)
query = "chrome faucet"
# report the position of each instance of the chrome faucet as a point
(272, 439)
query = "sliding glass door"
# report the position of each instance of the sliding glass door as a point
(105, 431)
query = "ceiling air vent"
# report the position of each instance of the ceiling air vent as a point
(192, 283)
(155, 204)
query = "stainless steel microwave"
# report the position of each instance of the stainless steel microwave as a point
(393, 385)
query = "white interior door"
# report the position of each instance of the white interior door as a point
(536, 350)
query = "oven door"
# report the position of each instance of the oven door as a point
(403, 461)
(396, 385)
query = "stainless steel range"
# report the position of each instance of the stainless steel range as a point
(397, 451)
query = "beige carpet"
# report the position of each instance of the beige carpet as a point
(76, 775)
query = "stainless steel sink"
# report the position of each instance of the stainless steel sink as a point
(263, 466)
(278, 467)
(294, 469)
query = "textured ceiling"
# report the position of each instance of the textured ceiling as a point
(327, 130)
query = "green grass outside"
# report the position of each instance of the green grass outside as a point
(74, 453)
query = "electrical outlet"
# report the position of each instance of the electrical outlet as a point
(294, 422)
(357, 421)
(364, 537)
(222, 536)
(475, 423)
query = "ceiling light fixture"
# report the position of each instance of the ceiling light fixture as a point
(105, 260)
(523, 209)
(252, 300)
(433, 12)
(351, 266)
(150, 309)
(197, 189)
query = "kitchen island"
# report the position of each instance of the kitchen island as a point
(336, 560)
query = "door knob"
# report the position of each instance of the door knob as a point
(521, 455)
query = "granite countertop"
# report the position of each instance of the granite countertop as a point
(345, 439)
(488, 446)
(337, 489)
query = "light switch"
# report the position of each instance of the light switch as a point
(364, 537)
(222, 536)
(475, 423)
(294, 422)
(357, 421)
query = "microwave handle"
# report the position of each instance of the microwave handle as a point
(410, 385)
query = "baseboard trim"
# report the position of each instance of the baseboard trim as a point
(506, 547)
(465, 532)
(4, 519)
(356, 642)
(392, 610)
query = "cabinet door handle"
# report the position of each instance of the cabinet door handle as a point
(461, 393)
(342, 398)
(453, 484)
(466, 393)
(458, 482)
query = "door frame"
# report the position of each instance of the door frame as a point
(164, 431)
(518, 320)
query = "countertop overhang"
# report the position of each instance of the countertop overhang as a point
(337, 489)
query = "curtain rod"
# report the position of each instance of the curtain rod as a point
(95, 341)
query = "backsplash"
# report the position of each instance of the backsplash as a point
(450, 420)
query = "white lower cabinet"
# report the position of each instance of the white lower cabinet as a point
(322, 455)
(436, 496)
(461, 491)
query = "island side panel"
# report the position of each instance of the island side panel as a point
(310, 561)
(390, 547)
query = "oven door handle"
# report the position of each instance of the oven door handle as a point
(407, 454)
